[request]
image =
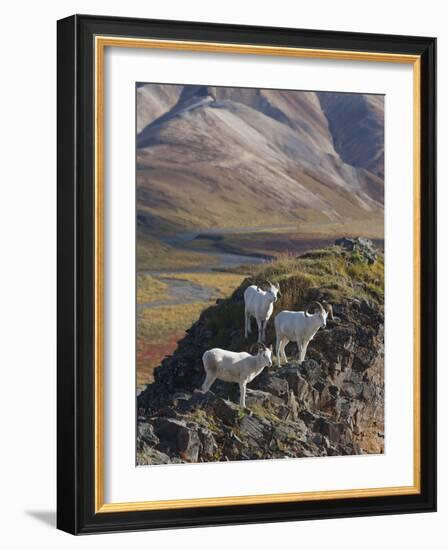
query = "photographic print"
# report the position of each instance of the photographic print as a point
(260, 273)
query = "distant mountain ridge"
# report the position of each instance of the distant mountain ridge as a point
(357, 127)
(213, 156)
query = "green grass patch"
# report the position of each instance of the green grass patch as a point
(153, 254)
(155, 323)
(332, 272)
(150, 289)
(338, 273)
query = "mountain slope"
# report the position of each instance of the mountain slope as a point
(357, 126)
(221, 156)
(153, 100)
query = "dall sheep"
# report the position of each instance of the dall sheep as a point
(231, 366)
(259, 303)
(299, 327)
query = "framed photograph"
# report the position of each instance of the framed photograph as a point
(246, 274)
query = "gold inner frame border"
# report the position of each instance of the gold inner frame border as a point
(101, 42)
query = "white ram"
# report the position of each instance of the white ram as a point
(231, 366)
(299, 327)
(259, 303)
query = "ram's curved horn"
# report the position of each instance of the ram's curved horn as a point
(270, 284)
(257, 347)
(252, 348)
(319, 305)
(329, 310)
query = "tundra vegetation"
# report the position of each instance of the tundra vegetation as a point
(331, 403)
(164, 322)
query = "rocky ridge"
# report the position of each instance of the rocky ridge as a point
(331, 404)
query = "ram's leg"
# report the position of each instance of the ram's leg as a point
(209, 379)
(247, 329)
(243, 394)
(264, 330)
(284, 343)
(299, 348)
(304, 348)
(260, 330)
(278, 346)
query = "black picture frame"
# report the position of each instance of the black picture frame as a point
(76, 259)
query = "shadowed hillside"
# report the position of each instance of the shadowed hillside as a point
(357, 126)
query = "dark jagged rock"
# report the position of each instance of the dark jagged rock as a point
(178, 436)
(208, 444)
(225, 410)
(255, 431)
(263, 399)
(149, 455)
(308, 417)
(271, 383)
(146, 435)
(363, 246)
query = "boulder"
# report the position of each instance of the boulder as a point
(146, 435)
(148, 455)
(208, 444)
(363, 246)
(296, 382)
(263, 399)
(179, 437)
(255, 431)
(308, 418)
(225, 410)
(271, 383)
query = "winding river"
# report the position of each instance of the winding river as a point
(183, 291)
